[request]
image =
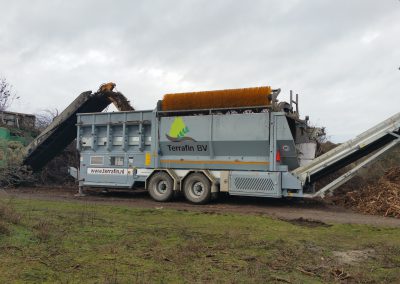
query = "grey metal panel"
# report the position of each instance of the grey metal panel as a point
(290, 181)
(130, 117)
(110, 179)
(241, 127)
(117, 140)
(264, 184)
(108, 132)
(147, 140)
(284, 141)
(239, 148)
(101, 141)
(86, 142)
(133, 140)
(235, 141)
(288, 152)
(109, 135)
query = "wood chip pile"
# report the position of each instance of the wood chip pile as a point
(379, 198)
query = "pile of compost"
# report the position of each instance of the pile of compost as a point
(378, 198)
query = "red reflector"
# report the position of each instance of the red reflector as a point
(278, 156)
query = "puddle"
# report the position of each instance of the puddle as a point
(307, 223)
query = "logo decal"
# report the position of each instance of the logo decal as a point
(178, 131)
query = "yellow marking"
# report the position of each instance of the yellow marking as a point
(213, 162)
(147, 161)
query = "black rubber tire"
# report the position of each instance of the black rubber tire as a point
(203, 195)
(161, 187)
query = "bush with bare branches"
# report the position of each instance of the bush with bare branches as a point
(7, 96)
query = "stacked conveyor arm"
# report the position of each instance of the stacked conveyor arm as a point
(380, 137)
(62, 131)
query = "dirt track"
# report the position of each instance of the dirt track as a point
(276, 208)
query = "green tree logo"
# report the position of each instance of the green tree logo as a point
(178, 131)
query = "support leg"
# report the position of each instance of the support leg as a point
(80, 192)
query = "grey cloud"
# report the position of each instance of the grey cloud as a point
(341, 56)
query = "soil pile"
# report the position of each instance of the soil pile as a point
(379, 198)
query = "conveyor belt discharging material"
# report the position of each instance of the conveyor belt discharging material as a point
(377, 139)
(62, 131)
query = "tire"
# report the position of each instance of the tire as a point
(197, 188)
(161, 187)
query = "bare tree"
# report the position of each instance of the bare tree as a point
(45, 117)
(7, 96)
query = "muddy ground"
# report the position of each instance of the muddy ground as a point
(305, 212)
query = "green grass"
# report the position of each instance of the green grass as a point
(87, 243)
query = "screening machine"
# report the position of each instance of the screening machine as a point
(240, 141)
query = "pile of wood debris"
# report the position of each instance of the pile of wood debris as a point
(378, 198)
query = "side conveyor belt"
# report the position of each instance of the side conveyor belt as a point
(369, 141)
(62, 131)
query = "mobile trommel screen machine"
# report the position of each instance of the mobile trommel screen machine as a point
(240, 141)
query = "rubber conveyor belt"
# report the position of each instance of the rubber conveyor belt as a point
(62, 131)
(369, 141)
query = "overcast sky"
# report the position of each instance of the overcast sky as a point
(341, 56)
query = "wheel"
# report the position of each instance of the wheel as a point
(197, 188)
(161, 187)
